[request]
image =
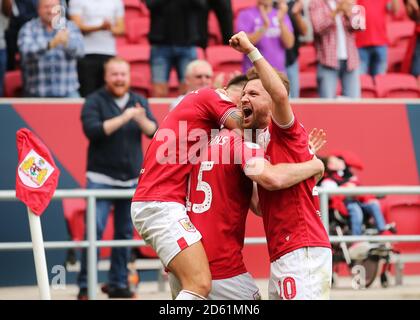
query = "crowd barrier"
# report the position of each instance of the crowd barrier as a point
(92, 244)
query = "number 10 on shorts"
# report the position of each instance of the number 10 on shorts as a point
(287, 288)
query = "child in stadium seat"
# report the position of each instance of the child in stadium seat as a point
(339, 173)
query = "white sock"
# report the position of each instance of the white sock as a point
(189, 295)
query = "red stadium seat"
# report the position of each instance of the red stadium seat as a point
(399, 33)
(238, 5)
(135, 53)
(395, 58)
(74, 214)
(224, 59)
(397, 85)
(134, 9)
(139, 58)
(405, 212)
(307, 58)
(368, 86)
(173, 84)
(137, 30)
(13, 84)
(308, 85)
(143, 9)
(201, 55)
(401, 14)
(141, 81)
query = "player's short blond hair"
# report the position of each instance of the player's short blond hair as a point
(252, 74)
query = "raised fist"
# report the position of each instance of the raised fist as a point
(241, 43)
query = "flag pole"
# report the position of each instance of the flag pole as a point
(39, 255)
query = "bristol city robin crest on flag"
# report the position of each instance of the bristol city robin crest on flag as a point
(36, 173)
(34, 170)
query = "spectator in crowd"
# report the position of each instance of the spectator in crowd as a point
(173, 36)
(411, 63)
(49, 53)
(224, 14)
(300, 28)
(5, 12)
(114, 119)
(198, 74)
(339, 173)
(22, 11)
(373, 42)
(100, 22)
(336, 47)
(269, 29)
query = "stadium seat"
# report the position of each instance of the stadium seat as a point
(405, 212)
(224, 59)
(143, 9)
(401, 14)
(399, 32)
(308, 85)
(201, 54)
(135, 53)
(141, 81)
(131, 13)
(238, 5)
(397, 85)
(137, 30)
(134, 9)
(13, 85)
(214, 33)
(173, 84)
(307, 58)
(74, 214)
(368, 86)
(395, 58)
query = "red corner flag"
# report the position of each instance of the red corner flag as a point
(37, 174)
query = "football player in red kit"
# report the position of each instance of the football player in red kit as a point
(221, 187)
(298, 245)
(158, 207)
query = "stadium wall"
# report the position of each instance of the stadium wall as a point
(385, 134)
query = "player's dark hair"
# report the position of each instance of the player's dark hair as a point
(239, 80)
(252, 74)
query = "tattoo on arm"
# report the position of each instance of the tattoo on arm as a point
(237, 117)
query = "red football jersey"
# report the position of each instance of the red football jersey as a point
(177, 144)
(219, 199)
(291, 216)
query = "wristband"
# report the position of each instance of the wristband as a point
(255, 55)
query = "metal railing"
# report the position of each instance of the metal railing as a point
(92, 244)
